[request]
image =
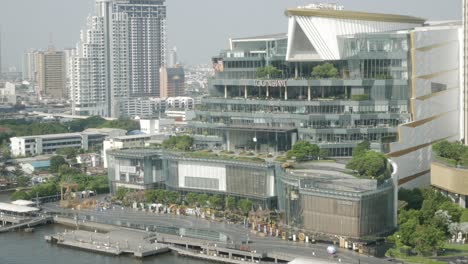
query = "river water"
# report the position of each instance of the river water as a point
(31, 248)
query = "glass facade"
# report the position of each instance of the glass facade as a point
(366, 100)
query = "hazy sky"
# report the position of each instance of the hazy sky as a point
(199, 28)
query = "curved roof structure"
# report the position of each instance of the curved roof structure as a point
(313, 33)
(354, 15)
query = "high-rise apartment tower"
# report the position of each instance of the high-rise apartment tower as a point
(123, 48)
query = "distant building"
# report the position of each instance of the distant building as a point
(156, 126)
(142, 107)
(172, 82)
(35, 166)
(173, 58)
(114, 143)
(30, 65)
(180, 102)
(89, 159)
(8, 94)
(35, 145)
(51, 74)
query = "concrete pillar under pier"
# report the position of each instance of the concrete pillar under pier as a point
(285, 93)
(225, 91)
(267, 91)
(228, 141)
(245, 92)
(309, 96)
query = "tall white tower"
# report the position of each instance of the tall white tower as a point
(465, 69)
(173, 58)
(132, 36)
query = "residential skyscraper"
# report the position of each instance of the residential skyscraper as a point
(128, 39)
(29, 65)
(51, 74)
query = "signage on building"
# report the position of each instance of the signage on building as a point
(270, 83)
(127, 169)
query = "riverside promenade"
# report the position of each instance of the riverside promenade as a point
(237, 234)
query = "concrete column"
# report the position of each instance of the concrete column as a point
(267, 91)
(245, 92)
(285, 93)
(230, 255)
(296, 71)
(228, 141)
(309, 96)
(225, 91)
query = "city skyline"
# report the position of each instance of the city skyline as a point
(19, 36)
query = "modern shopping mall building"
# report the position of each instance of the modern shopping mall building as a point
(397, 84)
(321, 198)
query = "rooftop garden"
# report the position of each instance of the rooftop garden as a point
(369, 164)
(183, 145)
(451, 153)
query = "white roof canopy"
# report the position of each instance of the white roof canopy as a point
(17, 208)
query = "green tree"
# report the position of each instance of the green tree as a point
(173, 197)
(230, 203)
(431, 204)
(324, 153)
(69, 153)
(449, 150)
(370, 164)
(23, 181)
(361, 148)
(453, 210)
(122, 123)
(191, 198)
(268, 72)
(202, 199)
(216, 202)
(245, 206)
(428, 239)
(304, 150)
(181, 143)
(151, 196)
(325, 71)
(20, 195)
(406, 231)
(121, 193)
(56, 162)
(414, 198)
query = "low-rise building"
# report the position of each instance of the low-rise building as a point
(89, 159)
(35, 145)
(155, 126)
(134, 141)
(327, 200)
(180, 102)
(322, 199)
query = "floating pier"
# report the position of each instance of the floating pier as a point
(115, 242)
